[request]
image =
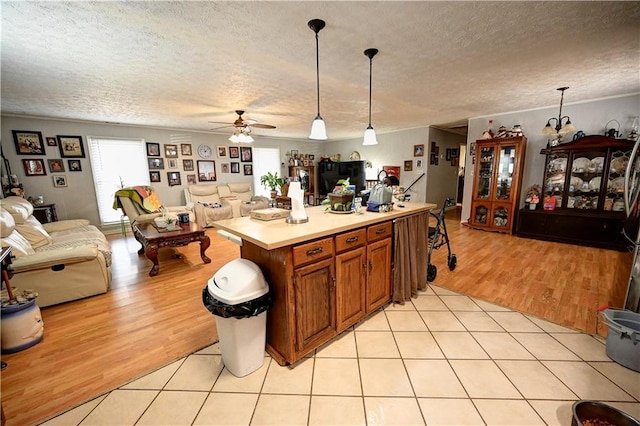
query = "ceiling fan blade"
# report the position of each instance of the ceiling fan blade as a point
(220, 122)
(222, 127)
(263, 126)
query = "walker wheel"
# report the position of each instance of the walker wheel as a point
(432, 271)
(453, 261)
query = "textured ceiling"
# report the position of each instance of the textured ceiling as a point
(182, 64)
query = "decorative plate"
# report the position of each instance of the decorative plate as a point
(618, 165)
(580, 164)
(355, 155)
(594, 184)
(576, 182)
(616, 185)
(558, 165)
(598, 163)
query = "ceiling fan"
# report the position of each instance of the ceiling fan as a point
(241, 124)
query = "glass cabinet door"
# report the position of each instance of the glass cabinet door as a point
(485, 177)
(586, 180)
(500, 217)
(614, 200)
(504, 177)
(555, 174)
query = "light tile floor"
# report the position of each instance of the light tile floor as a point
(442, 359)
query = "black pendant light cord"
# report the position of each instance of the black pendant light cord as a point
(370, 82)
(370, 53)
(318, 72)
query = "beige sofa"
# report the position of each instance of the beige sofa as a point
(61, 261)
(222, 201)
(137, 213)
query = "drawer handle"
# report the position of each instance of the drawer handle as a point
(352, 239)
(314, 251)
(381, 230)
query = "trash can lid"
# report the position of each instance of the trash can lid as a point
(238, 281)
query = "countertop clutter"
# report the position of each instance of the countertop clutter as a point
(277, 233)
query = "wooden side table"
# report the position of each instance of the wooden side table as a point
(45, 213)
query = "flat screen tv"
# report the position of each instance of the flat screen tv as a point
(331, 172)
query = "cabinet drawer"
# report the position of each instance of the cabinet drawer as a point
(350, 240)
(379, 231)
(306, 253)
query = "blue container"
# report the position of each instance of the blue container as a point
(22, 326)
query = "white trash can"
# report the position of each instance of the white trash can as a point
(238, 296)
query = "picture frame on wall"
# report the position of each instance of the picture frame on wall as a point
(51, 141)
(156, 163)
(418, 150)
(191, 179)
(74, 165)
(59, 181)
(235, 167)
(170, 151)
(154, 176)
(234, 152)
(206, 171)
(174, 178)
(28, 142)
(224, 168)
(408, 165)
(153, 149)
(222, 151)
(185, 149)
(34, 167)
(172, 163)
(187, 165)
(246, 154)
(248, 169)
(418, 164)
(70, 146)
(56, 165)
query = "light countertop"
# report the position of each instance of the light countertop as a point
(277, 233)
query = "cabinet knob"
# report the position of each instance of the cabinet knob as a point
(352, 239)
(314, 251)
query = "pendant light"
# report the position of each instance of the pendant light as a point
(318, 129)
(559, 129)
(370, 134)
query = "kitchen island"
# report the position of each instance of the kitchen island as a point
(325, 274)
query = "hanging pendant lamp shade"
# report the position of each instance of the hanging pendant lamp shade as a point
(559, 129)
(318, 129)
(370, 134)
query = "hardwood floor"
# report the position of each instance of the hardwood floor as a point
(99, 343)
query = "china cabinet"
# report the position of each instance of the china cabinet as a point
(306, 176)
(586, 178)
(496, 183)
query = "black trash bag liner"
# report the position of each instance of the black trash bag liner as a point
(250, 308)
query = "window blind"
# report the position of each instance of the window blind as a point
(116, 163)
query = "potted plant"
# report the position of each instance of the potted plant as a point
(273, 182)
(341, 198)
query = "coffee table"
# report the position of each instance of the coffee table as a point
(152, 239)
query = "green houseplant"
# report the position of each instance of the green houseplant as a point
(273, 182)
(341, 199)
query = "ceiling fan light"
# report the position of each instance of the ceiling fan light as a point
(318, 129)
(234, 138)
(548, 130)
(370, 137)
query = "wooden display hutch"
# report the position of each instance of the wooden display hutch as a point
(306, 176)
(586, 178)
(496, 183)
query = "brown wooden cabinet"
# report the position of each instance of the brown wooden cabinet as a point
(322, 287)
(315, 303)
(306, 176)
(586, 178)
(496, 183)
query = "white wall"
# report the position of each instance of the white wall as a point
(443, 178)
(392, 150)
(590, 117)
(78, 200)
